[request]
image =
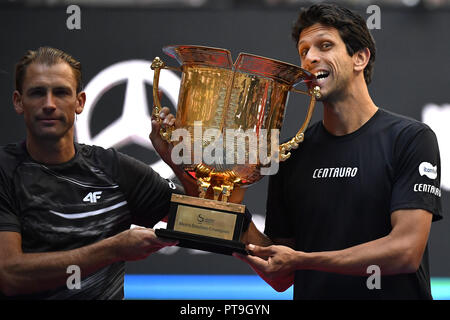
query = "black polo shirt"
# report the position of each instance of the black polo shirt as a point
(339, 191)
(95, 195)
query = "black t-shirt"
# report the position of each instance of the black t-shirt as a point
(339, 191)
(95, 195)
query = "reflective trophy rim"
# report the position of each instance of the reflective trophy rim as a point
(170, 51)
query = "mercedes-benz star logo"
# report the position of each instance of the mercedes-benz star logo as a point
(134, 125)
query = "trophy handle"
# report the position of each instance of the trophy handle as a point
(298, 138)
(156, 66)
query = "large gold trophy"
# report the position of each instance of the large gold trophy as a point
(228, 117)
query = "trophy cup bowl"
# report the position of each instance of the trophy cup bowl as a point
(229, 116)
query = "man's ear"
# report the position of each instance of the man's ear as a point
(361, 59)
(17, 102)
(81, 100)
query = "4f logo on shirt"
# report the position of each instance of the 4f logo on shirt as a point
(92, 197)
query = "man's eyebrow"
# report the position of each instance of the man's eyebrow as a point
(35, 88)
(320, 35)
(44, 88)
(62, 87)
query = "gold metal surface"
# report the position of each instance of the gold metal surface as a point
(298, 138)
(217, 205)
(157, 65)
(249, 95)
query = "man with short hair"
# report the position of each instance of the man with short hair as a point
(360, 191)
(66, 204)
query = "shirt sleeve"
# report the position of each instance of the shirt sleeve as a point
(9, 220)
(278, 222)
(417, 175)
(148, 194)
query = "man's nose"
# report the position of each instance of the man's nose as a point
(311, 59)
(50, 103)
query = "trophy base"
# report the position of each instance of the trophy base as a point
(205, 224)
(204, 243)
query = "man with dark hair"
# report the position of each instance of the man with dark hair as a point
(360, 192)
(351, 27)
(66, 206)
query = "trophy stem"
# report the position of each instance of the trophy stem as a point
(222, 183)
(223, 190)
(226, 192)
(203, 187)
(217, 192)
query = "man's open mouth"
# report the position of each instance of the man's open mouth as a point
(321, 75)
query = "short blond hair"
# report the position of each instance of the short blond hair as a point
(48, 56)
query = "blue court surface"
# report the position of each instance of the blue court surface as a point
(223, 287)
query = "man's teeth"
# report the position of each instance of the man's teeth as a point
(321, 75)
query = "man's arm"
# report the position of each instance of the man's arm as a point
(164, 149)
(398, 252)
(24, 273)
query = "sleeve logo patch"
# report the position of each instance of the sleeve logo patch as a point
(427, 169)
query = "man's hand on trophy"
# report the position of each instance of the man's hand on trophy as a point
(274, 260)
(137, 243)
(275, 264)
(162, 147)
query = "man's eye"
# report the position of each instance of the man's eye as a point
(37, 93)
(326, 45)
(61, 92)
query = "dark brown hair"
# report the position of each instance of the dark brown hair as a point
(48, 56)
(351, 27)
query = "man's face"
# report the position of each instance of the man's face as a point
(323, 53)
(49, 100)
